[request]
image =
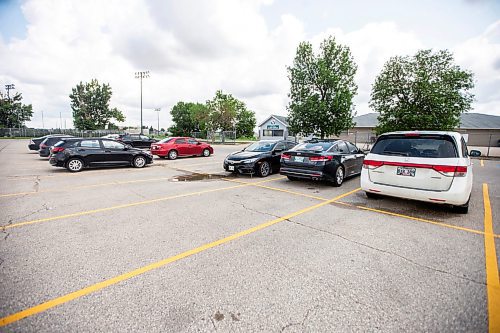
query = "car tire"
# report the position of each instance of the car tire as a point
(292, 178)
(206, 152)
(139, 162)
(172, 155)
(264, 169)
(338, 178)
(74, 165)
(463, 209)
(372, 195)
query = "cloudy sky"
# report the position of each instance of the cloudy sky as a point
(192, 48)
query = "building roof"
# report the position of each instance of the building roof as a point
(467, 121)
(281, 119)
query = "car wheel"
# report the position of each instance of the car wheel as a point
(339, 176)
(264, 169)
(292, 178)
(206, 152)
(74, 165)
(172, 155)
(372, 195)
(139, 162)
(464, 209)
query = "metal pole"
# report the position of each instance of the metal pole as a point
(489, 145)
(43, 124)
(141, 103)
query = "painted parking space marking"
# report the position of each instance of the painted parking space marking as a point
(380, 211)
(492, 279)
(126, 276)
(482, 163)
(133, 204)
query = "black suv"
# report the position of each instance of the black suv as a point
(261, 157)
(137, 140)
(78, 153)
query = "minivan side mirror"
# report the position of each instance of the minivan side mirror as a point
(474, 153)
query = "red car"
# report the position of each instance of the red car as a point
(180, 146)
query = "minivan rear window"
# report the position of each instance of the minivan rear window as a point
(428, 146)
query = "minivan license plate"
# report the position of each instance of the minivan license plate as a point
(403, 171)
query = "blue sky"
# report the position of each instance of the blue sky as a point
(194, 48)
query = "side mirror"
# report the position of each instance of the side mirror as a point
(474, 153)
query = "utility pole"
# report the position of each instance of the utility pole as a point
(60, 121)
(10, 87)
(158, 113)
(141, 75)
(43, 124)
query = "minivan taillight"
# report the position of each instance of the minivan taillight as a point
(57, 149)
(451, 170)
(371, 164)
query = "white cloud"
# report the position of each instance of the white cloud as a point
(193, 48)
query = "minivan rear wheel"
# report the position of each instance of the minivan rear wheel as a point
(463, 209)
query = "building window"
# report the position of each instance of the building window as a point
(272, 133)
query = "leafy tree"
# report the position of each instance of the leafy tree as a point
(185, 117)
(322, 89)
(424, 92)
(227, 112)
(245, 123)
(90, 105)
(13, 113)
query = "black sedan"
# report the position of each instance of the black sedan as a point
(260, 158)
(35, 142)
(48, 143)
(137, 140)
(78, 153)
(330, 160)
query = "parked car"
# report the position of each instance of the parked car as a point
(261, 158)
(429, 166)
(47, 144)
(78, 153)
(317, 159)
(137, 140)
(35, 142)
(181, 146)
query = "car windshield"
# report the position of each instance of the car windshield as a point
(313, 146)
(428, 146)
(262, 146)
(165, 140)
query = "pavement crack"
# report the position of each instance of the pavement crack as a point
(389, 253)
(300, 323)
(254, 210)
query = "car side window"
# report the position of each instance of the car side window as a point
(180, 141)
(290, 145)
(280, 146)
(112, 145)
(192, 141)
(342, 147)
(465, 152)
(335, 148)
(134, 137)
(90, 144)
(352, 148)
(144, 138)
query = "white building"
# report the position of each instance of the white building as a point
(275, 128)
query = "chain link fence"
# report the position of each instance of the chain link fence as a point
(36, 132)
(221, 137)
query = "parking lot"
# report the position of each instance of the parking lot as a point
(182, 246)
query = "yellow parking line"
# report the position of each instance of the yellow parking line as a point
(492, 279)
(62, 189)
(482, 163)
(139, 203)
(408, 217)
(126, 276)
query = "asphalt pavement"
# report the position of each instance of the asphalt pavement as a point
(183, 246)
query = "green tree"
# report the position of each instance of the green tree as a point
(425, 92)
(90, 105)
(322, 89)
(13, 113)
(188, 117)
(245, 123)
(227, 113)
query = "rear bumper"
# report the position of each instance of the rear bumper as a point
(55, 162)
(304, 173)
(457, 194)
(33, 146)
(44, 153)
(160, 152)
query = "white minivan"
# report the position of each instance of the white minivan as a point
(430, 166)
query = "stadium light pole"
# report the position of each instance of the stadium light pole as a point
(158, 113)
(141, 75)
(10, 87)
